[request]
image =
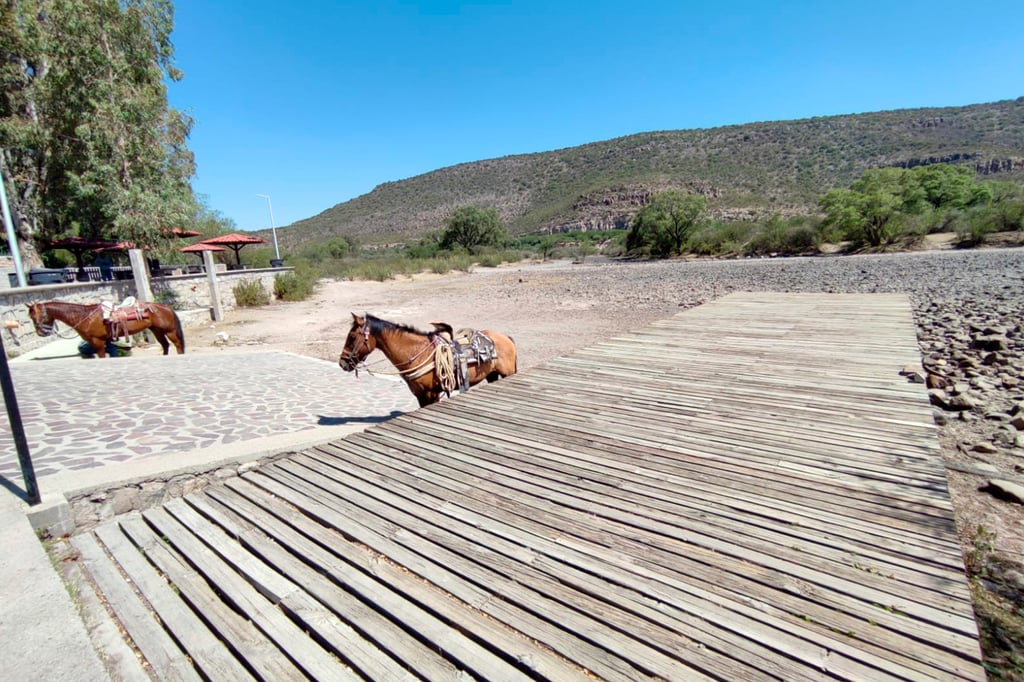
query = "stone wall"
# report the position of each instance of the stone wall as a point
(191, 298)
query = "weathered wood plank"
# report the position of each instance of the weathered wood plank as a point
(420, 608)
(590, 549)
(206, 650)
(639, 547)
(168, 661)
(291, 597)
(468, 541)
(254, 649)
(386, 539)
(313, 659)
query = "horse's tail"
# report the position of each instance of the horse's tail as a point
(515, 354)
(178, 330)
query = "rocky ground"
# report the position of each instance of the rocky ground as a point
(968, 307)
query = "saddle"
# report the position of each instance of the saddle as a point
(468, 347)
(117, 317)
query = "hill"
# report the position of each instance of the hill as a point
(746, 171)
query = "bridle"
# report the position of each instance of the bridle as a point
(44, 328)
(49, 326)
(350, 359)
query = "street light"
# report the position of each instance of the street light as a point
(273, 228)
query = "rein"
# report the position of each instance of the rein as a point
(410, 373)
(51, 326)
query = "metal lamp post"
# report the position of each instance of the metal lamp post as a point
(273, 228)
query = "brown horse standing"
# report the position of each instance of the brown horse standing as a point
(415, 354)
(90, 324)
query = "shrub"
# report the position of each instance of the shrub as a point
(790, 237)
(250, 293)
(289, 286)
(719, 239)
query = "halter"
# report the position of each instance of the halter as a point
(50, 327)
(350, 356)
(45, 328)
(410, 373)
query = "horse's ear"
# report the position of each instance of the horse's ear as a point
(356, 319)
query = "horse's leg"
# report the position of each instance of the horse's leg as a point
(161, 339)
(99, 345)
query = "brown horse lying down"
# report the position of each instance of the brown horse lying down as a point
(432, 363)
(96, 330)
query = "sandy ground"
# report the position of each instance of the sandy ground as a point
(317, 327)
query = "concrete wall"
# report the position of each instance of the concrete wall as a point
(193, 301)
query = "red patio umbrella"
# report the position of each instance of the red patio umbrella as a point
(233, 241)
(200, 247)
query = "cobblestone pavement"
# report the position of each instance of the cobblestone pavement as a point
(79, 414)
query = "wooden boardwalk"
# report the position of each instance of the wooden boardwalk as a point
(748, 490)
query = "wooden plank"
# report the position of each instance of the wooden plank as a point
(428, 613)
(257, 652)
(580, 602)
(263, 572)
(306, 653)
(579, 646)
(747, 490)
(490, 510)
(167, 661)
(478, 446)
(205, 649)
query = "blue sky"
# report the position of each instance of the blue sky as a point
(314, 103)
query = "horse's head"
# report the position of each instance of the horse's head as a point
(359, 343)
(41, 318)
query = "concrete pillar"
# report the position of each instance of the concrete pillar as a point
(140, 270)
(211, 276)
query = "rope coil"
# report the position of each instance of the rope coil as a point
(444, 365)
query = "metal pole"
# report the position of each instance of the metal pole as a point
(12, 238)
(273, 228)
(28, 472)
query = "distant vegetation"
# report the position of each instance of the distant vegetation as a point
(887, 204)
(881, 208)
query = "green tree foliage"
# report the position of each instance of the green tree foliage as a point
(332, 248)
(884, 204)
(472, 227)
(868, 211)
(664, 226)
(1004, 212)
(89, 144)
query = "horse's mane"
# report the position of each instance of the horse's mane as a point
(378, 326)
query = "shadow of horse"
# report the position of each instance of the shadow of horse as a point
(371, 419)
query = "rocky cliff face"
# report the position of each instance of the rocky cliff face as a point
(615, 207)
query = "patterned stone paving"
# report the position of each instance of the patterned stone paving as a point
(80, 414)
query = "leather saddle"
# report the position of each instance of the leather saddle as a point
(469, 347)
(118, 317)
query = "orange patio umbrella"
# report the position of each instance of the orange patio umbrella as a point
(233, 241)
(200, 247)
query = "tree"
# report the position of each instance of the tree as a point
(870, 210)
(950, 187)
(665, 224)
(88, 144)
(472, 227)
